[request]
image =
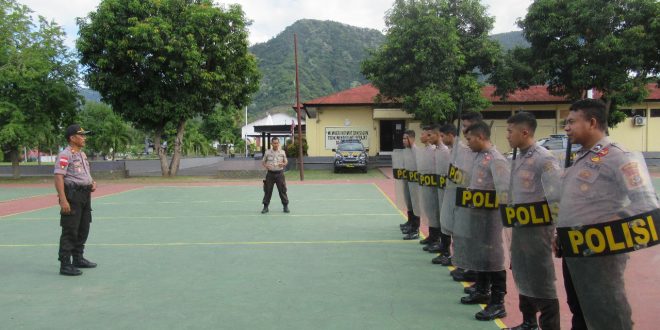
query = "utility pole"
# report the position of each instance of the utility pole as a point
(300, 145)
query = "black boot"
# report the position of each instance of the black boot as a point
(406, 229)
(495, 308)
(286, 209)
(412, 234)
(470, 289)
(479, 296)
(66, 268)
(433, 248)
(465, 276)
(81, 262)
(443, 259)
(526, 325)
(431, 239)
(265, 209)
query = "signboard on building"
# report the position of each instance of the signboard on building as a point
(334, 135)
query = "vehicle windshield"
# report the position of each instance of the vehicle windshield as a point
(350, 147)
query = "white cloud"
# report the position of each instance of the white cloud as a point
(270, 17)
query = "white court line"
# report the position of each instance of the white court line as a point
(214, 243)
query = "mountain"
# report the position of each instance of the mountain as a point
(329, 57)
(510, 40)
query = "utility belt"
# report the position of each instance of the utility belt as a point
(477, 199)
(275, 172)
(78, 187)
(526, 215)
(614, 237)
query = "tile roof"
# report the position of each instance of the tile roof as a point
(365, 94)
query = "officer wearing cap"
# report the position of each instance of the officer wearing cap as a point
(74, 185)
(275, 161)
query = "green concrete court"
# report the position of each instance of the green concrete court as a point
(7, 194)
(205, 258)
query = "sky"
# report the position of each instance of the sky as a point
(270, 17)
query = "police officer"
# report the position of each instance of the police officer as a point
(274, 162)
(531, 241)
(411, 228)
(74, 185)
(461, 156)
(478, 225)
(447, 135)
(605, 184)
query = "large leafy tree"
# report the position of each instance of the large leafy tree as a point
(111, 133)
(163, 62)
(610, 46)
(433, 53)
(38, 77)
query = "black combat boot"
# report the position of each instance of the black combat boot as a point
(443, 259)
(265, 209)
(81, 262)
(413, 233)
(494, 309)
(464, 275)
(66, 268)
(470, 289)
(433, 248)
(481, 295)
(286, 209)
(431, 239)
(528, 324)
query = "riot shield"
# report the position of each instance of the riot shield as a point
(478, 230)
(410, 164)
(457, 175)
(428, 188)
(608, 229)
(442, 158)
(400, 179)
(528, 215)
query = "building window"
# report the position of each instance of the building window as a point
(655, 112)
(496, 114)
(546, 114)
(630, 113)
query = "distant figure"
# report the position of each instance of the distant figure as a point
(74, 186)
(275, 161)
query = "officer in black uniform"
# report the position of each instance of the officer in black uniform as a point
(74, 186)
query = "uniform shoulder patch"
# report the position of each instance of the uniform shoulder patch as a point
(64, 161)
(632, 175)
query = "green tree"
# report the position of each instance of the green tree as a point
(194, 142)
(161, 63)
(223, 125)
(111, 133)
(433, 53)
(610, 46)
(38, 78)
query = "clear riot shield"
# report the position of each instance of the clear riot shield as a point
(457, 175)
(410, 164)
(608, 230)
(442, 158)
(484, 232)
(400, 179)
(421, 160)
(428, 188)
(530, 219)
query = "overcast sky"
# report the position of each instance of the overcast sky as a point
(270, 17)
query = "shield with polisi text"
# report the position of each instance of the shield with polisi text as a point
(608, 231)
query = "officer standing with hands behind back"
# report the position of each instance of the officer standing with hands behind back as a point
(275, 161)
(74, 185)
